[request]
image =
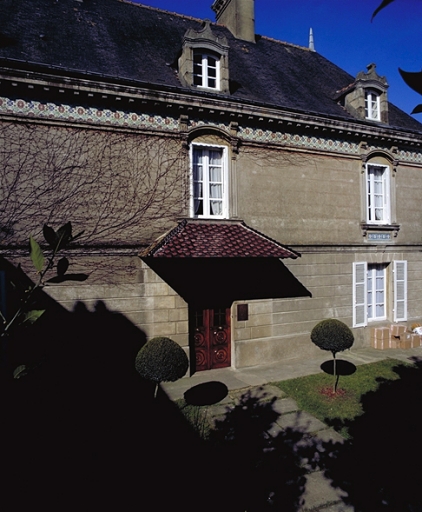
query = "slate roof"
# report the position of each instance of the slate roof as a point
(141, 44)
(193, 238)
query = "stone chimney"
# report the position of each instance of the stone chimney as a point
(238, 16)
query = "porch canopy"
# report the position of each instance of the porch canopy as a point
(210, 261)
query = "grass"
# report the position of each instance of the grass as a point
(314, 392)
(196, 416)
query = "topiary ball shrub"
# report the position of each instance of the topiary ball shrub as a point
(332, 335)
(161, 360)
(335, 336)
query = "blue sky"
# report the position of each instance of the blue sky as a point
(343, 33)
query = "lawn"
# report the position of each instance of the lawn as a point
(314, 392)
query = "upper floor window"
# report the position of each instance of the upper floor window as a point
(378, 205)
(372, 105)
(206, 70)
(209, 181)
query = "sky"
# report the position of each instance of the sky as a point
(343, 33)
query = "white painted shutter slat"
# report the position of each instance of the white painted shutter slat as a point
(360, 306)
(400, 291)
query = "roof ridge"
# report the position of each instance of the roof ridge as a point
(162, 10)
(286, 43)
(266, 237)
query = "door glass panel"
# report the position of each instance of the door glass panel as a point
(199, 319)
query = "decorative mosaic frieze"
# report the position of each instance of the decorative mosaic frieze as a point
(36, 109)
(287, 139)
(410, 156)
(194, 123)
(120, 118)
(296, 140)
(401, 155)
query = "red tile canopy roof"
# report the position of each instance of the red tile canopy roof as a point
(193, 238)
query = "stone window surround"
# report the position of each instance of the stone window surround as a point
(207, 42)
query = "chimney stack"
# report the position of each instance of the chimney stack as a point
(238, 16)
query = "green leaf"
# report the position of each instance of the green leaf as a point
(37, 256)
(62, 266)
(32, 316)
(64, 235)
(383, 4)
(20, 371)
(50, 236)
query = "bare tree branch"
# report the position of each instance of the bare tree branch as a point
(107, 182)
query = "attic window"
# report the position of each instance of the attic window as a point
(372, 105)
(204, 61)
(206, 70)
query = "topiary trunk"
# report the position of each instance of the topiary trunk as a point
(335, 373)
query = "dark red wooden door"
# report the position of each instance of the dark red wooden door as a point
(211, 338)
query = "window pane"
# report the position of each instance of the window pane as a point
(216, 191)
(215, 174)
(216, 208)
(215, 157)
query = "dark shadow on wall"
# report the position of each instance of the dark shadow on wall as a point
(224, 280)
(380, 467)
(81, 429)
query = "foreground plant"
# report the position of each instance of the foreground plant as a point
(161, 360)
(335, 336)
(27, 311)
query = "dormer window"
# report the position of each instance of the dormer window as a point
(206, 70)
(372, 105)
(204, 62)
(366, 97)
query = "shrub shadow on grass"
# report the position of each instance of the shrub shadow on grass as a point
(379, 467)
(342, 367)
(207, 393)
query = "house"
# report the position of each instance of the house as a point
(233, 190)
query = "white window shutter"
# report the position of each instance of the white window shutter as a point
(400, 290)
(360, 306)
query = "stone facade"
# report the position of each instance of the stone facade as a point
(116, 159)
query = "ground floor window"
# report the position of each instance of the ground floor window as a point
(379, 292)
(376, 292)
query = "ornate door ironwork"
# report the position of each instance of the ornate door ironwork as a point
(211, 338)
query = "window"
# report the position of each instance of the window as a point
(209, 177)
(376, 292)
(370, 292)
(372, 105)
(377, 194)
(206, 70)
